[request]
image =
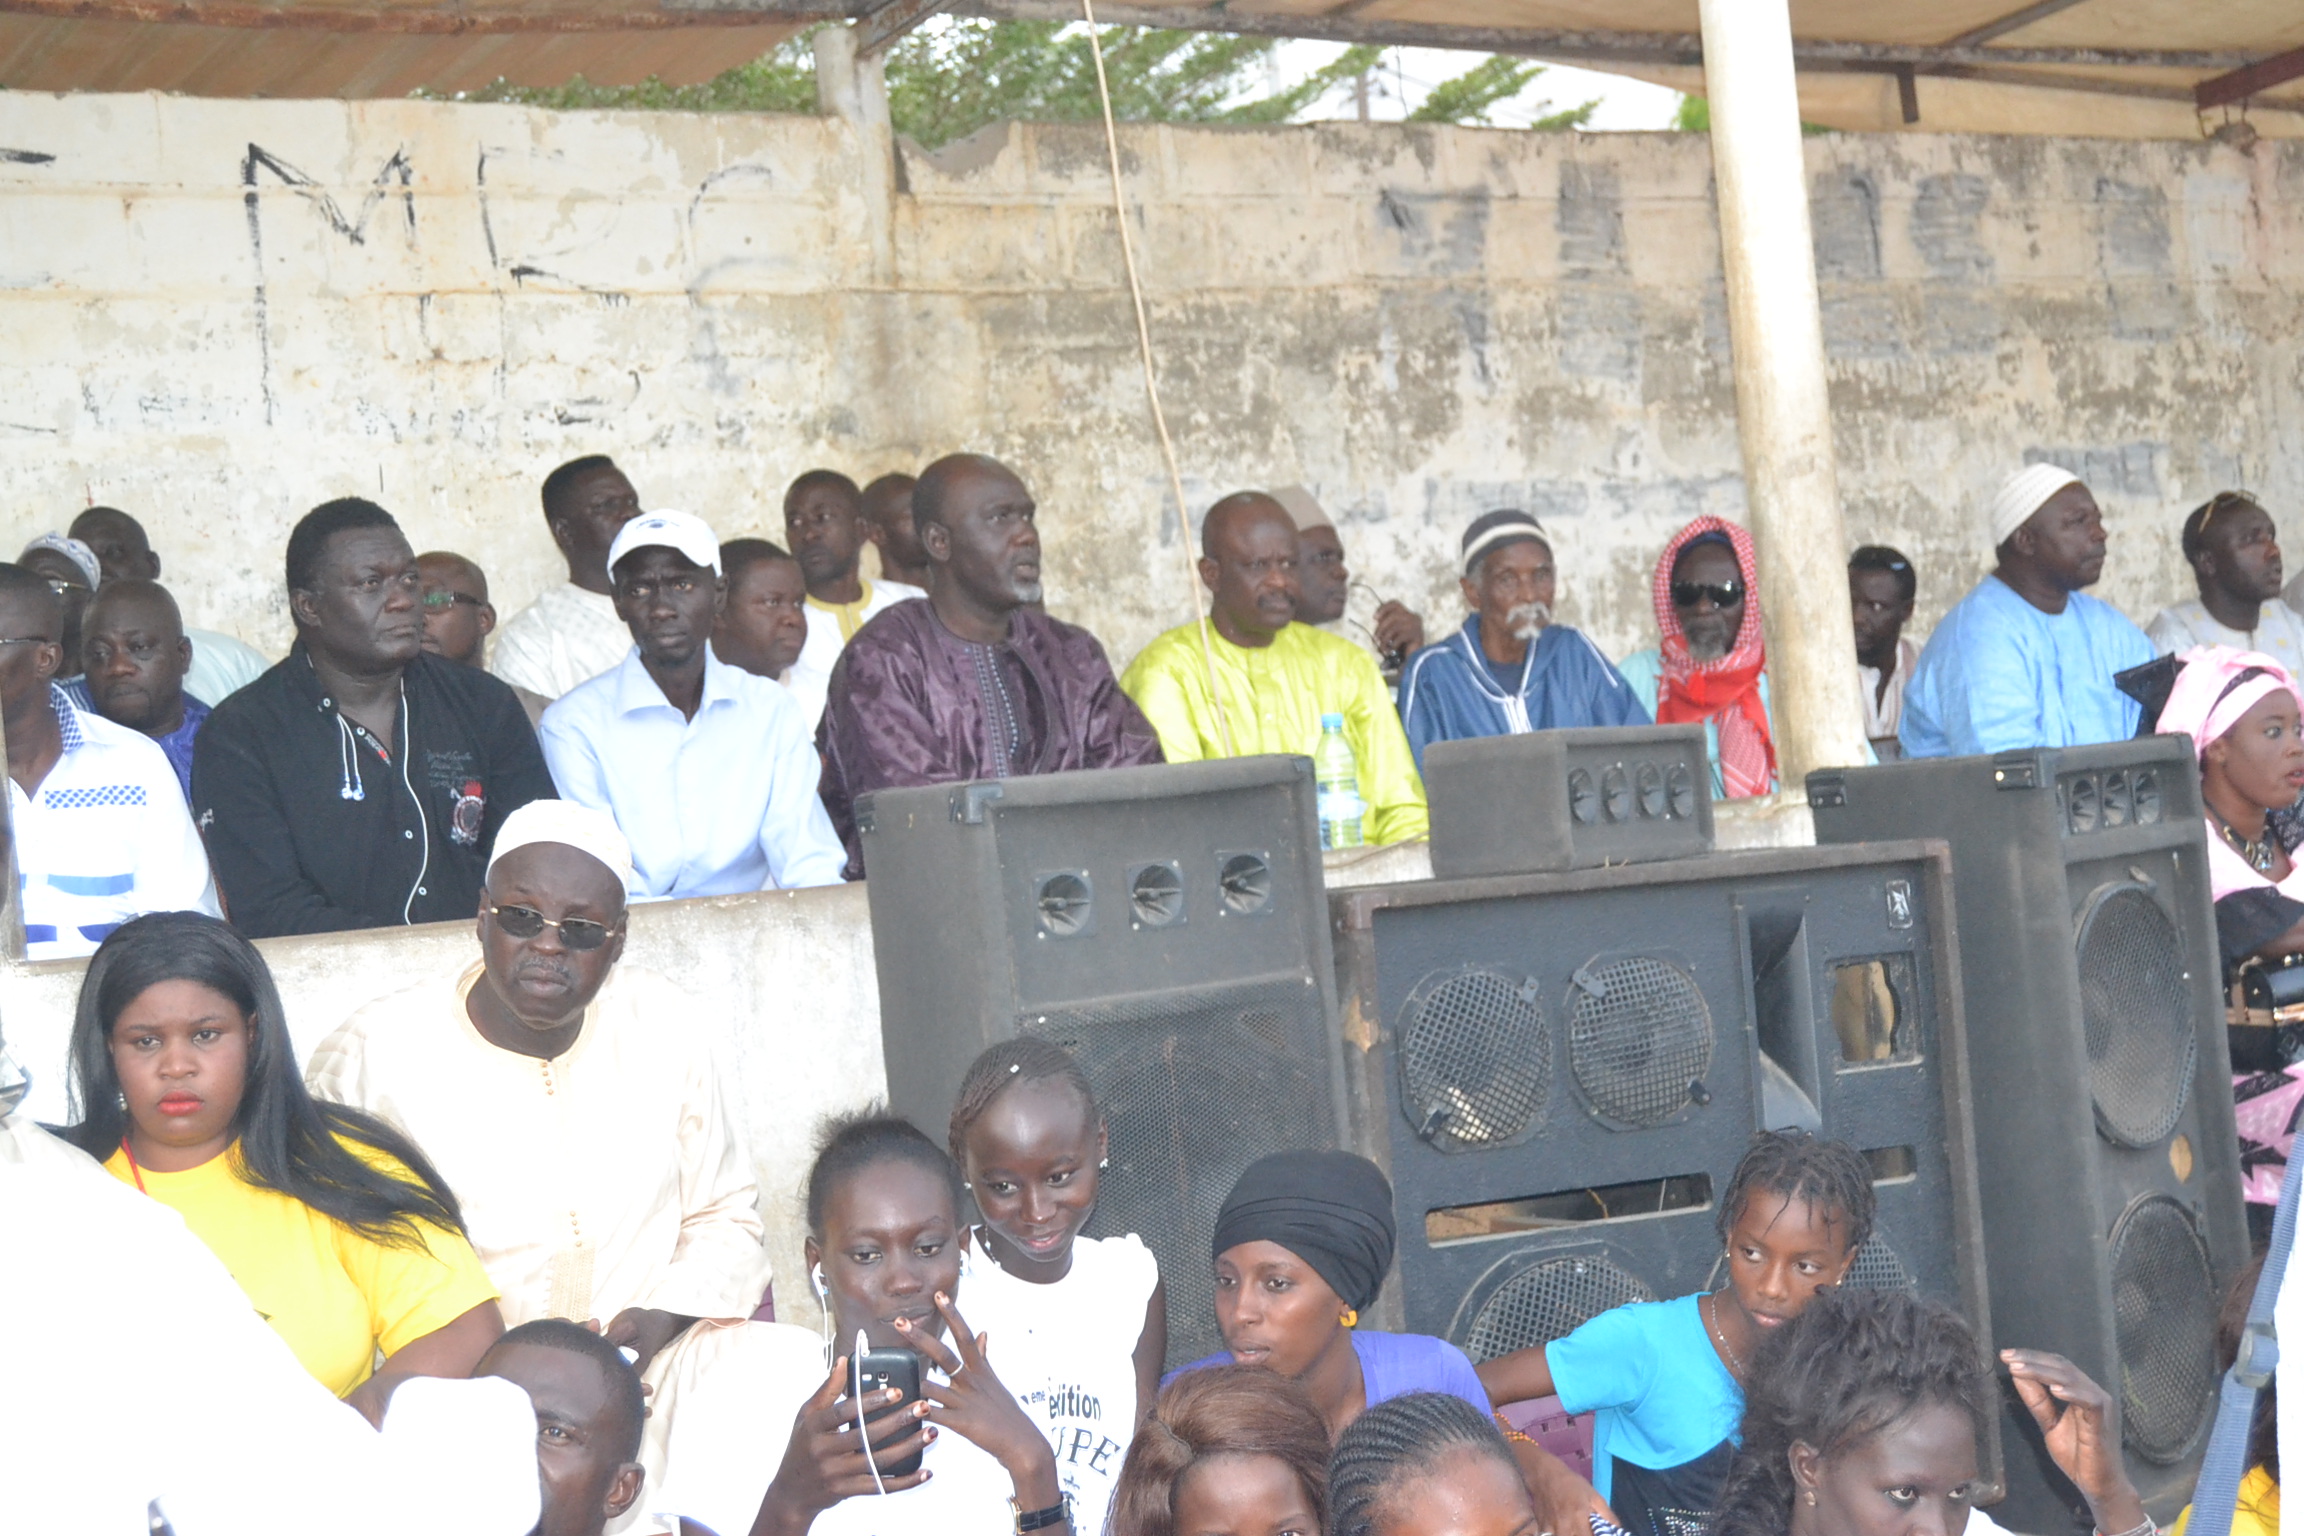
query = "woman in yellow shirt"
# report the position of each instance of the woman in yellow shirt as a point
(185, 1084)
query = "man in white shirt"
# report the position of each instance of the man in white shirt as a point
(2235, 557)
(1881, 589)
(825, 528)
(102, 831)
(571, 633)
(707, 768)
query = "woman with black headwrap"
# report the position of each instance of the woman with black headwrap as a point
(1302, 1246)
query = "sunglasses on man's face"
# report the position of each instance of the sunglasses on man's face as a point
(1724, 594)
(526, 922)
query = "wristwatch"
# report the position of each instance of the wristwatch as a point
(1028, 1520)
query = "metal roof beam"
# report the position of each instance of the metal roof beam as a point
(2244, 83)
(1680, 48)
(2041, 10)
(882, 24)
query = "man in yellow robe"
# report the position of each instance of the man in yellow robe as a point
(1275, 677)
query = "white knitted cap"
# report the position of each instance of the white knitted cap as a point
(1303, 507)
(564, 821)
(2024, 493)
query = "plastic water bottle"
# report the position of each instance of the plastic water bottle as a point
(1338, 776)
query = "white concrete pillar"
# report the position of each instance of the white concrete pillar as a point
(1783, 416)
(855, 90)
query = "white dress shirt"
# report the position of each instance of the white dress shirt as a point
(722, 803)
(810, 675)
(106, 838)
(567, 636)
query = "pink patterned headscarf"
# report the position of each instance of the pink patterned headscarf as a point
(2216, 687)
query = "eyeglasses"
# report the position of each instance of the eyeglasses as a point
(63, 588)
(2220, 501)
(579, 933)
(451, 599)
(27, 640)
(1724, 594)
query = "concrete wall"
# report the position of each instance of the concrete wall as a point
(220, 313)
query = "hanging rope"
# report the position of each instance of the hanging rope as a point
(1152, 385)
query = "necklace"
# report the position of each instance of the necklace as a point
(1712, 1321)
(2259, 853)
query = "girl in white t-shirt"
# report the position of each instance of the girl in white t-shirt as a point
(1079, 1325)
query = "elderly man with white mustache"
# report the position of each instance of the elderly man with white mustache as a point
(1510, 668)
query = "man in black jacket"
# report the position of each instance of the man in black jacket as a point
(360, 782)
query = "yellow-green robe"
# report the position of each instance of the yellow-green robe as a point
(1273, 699)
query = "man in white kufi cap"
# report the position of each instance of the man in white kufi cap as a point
(708, 769)
(1389, 632)
(577, 1111)
(2026, 659)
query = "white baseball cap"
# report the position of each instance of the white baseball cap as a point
(682, 531)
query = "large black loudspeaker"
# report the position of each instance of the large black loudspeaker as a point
(1164, 924)
(2108, 1159)
(1562, 1070)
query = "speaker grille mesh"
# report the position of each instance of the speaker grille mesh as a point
(1194, 1089)
(2136, 1007)
(1549, 1300)
(1475, 1060)
(2164, 1315)
(1877, 1268)
(1638, 1035)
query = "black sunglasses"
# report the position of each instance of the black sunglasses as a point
(526, 922)
(440, 599)
(1724, 594)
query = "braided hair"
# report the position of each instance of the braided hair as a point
(1023, 1059)
(1228, 1410)
(1394, 1444)
(1849, 1366)
(1831, 1176)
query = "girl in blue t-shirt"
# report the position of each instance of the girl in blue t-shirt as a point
(1665, 1379)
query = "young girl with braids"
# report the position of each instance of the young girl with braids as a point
(1082, 1322)
(1866, 1416)
(1665, 1380)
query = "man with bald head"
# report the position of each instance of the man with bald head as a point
(579, 1111)
(1274, 677)
(888, 524)
(102, 830)
(975, 682)
(221, 665)
(2026, 658)
(134, 656)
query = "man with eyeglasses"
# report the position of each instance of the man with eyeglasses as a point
(2234, 552)
(1392, 629)
(2026, 659)
(72, 572)
(707, 768)
(1274, 677)
(1510, 669)
(136, 656)
(361, 782)
(1711, 664)
(826, 530)
(101, 830)
(578, 1111)
(458, 618)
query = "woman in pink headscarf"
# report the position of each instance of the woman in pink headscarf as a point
(2242, 711)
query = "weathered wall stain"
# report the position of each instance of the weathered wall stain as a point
(1420, 323)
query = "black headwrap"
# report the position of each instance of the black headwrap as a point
(1333, 1210)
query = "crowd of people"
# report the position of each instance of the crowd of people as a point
(529, 1172)
(727, 701)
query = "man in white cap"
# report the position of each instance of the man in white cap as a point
(1510, 669)
(579, 1114)
(707, 768)
(2026, 658)
(1389, 634)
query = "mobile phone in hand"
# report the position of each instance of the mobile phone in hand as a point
(877, 1370)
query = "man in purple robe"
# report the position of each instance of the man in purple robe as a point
(971, 682)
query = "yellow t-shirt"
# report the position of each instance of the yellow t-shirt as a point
(2258, 1513)
(335, 1296)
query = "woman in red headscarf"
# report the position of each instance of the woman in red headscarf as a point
(1713, 663)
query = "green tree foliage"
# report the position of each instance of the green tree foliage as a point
(946, 81)
(1694, 116)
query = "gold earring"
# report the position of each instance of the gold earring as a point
(1351, 1317)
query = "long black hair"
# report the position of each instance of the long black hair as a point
(1395, 1443)
(1851, 1364)
(289, 1141)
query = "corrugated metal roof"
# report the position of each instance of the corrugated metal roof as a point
(2126, 68)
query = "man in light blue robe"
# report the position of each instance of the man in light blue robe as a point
(2026, 658)
(1509, 669)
